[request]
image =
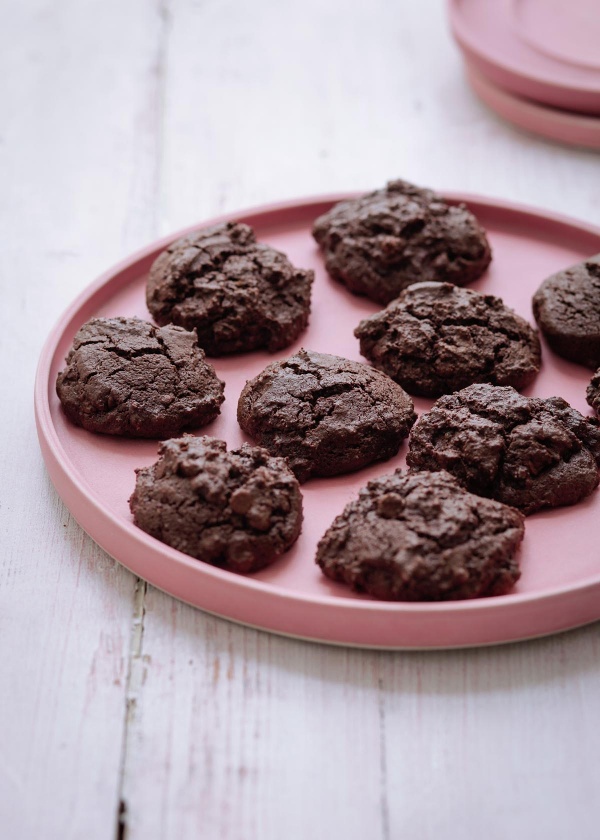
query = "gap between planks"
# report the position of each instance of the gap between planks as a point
(135, 677)
(135, 668)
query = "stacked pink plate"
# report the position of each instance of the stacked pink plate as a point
(535, 62)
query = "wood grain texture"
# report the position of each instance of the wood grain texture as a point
(246, 734)
(123, 121)
(77, 167)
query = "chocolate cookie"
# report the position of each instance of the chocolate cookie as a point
(379, 244)
(125, 376)
(240, 510)
(593, 392)
(567, 309)
(325, 414)
(528, 453)
(437, 338)
(239, 294)
(421, 537)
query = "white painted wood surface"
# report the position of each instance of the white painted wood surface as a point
(122, 121)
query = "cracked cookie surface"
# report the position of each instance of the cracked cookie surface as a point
(125, 376)
(567, 309)
(384, 241)
(239, 510)
(325, 414)
(436, 338)
(422, 537)
(528, 453)
(239, 294)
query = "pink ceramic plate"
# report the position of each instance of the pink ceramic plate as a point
(545, 50)
(560, 585)
(563, 126)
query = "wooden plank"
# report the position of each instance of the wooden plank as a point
(495, 742)
(240, 733)
(77, 167)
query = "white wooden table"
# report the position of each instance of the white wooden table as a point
(123, 713)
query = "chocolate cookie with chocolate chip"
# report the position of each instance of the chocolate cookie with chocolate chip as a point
(384, 241)
(437, 338)
(324, 414)
(239, 294)
(422, 537)
(239, 510)
(125, 376)
(567, 309)
(528, 453)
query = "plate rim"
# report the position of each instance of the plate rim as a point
(561, 115)
(551, 123)
(56, 458)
